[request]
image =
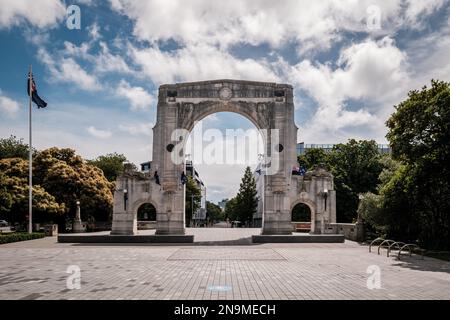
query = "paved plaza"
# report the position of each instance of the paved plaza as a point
(222, 264)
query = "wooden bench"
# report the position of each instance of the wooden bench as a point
(302, 226)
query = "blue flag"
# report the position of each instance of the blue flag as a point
(34, 94)
(183, 178)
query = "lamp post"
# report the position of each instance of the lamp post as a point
(263, 173)
(78, 212)
(186, 157)
(125, 198)
(325, 196)
(77, 224)
(358, 219)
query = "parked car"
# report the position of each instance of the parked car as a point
(3, 223)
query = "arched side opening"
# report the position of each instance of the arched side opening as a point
(301, 216)
(146, 216)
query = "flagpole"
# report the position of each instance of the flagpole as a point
(30, 160)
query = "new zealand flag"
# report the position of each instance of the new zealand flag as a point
(34, 96)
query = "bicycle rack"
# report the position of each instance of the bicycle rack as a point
(388, 242)
(410, 247)
(373, 242)
(398, 244)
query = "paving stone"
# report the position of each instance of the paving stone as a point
(37, 269)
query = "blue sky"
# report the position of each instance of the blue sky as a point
(349, 62)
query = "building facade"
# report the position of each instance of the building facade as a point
(327, 147)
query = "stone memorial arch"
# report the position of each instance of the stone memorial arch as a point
(270, 107)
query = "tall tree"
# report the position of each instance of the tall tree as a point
(419, 134)
(67, 177)
(312, 157)
(193, 199)
(112, 165)
(246, 199)
(14, 195)
(13, 147)
(213, 211)
(231, 211)
(356, 168)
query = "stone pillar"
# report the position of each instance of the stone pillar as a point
(171, 219)
(124, 218)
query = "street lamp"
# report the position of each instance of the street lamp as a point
(78, 212)
(77, 225)
(360, 197)
(125, 198)
(325, 196)
(262, 161)
(186, 156)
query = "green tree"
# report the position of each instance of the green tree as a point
(112, 165)
(193, 199)
(355, 166)
(14, 187)
(214, 212)
(231, 210)
(13, 147)
(246, 199)
(419, 134)
(69, 178)
(6, 200)
(312, 157)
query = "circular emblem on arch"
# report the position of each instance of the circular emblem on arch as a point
(170, 147)
(225, 93)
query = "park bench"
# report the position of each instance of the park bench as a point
(302, 226)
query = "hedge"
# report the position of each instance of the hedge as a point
(20, 236)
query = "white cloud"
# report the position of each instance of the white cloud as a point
(94, 31)
(97, 133)
(310, 24)
(429, 55)
(373, 72)
(69, 71)
(104, 61)
(138, 97)
(417, 10)
(8, 106)
(41, 14)
(137, 128)
(107, 62)
(196, 63)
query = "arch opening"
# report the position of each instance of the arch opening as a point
(146, 212)
(301, 217)
(146, 216)
(217, 156)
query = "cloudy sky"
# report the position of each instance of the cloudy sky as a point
(349, 61)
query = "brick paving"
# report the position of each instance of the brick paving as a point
(37, 270)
